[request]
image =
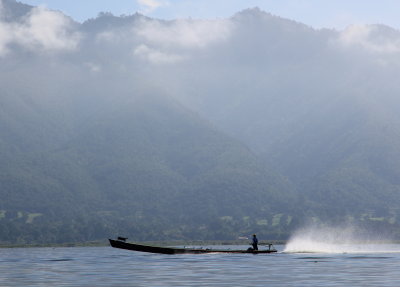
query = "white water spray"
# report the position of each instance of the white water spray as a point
(338, 239)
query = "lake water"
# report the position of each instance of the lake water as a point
(366, 265)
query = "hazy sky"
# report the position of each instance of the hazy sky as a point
(316, 13)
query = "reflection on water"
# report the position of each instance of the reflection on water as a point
(106, 266)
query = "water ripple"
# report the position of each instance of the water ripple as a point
(106, 266)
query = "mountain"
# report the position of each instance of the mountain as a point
(323, 116)
(193, 129)
(89, 157)
(144, 162)
(12, 10)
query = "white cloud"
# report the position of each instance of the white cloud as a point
(166, 42)
(149, 6)
(42, 30)
(5, 38)
(171, 42)
(107, 36)
(93, 67)
(185, 33)
(155, 56)
(371, 38)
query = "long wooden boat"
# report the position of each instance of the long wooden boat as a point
(122, 244)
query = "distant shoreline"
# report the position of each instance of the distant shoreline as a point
(168, 243)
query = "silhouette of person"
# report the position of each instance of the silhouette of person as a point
(255, 242)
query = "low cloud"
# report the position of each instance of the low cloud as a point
(372, 38)
(6, 37)
(155, 56)
(185, 33)
(107, 36)
(41, 30)
(171, 42)
(93, 67)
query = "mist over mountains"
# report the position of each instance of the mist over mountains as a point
(193, 129)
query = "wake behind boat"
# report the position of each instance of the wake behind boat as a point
(122, 244)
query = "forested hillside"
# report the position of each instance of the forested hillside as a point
(193, 129)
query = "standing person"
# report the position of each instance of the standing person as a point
(255, 242)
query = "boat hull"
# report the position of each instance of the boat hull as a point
(171, 250)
